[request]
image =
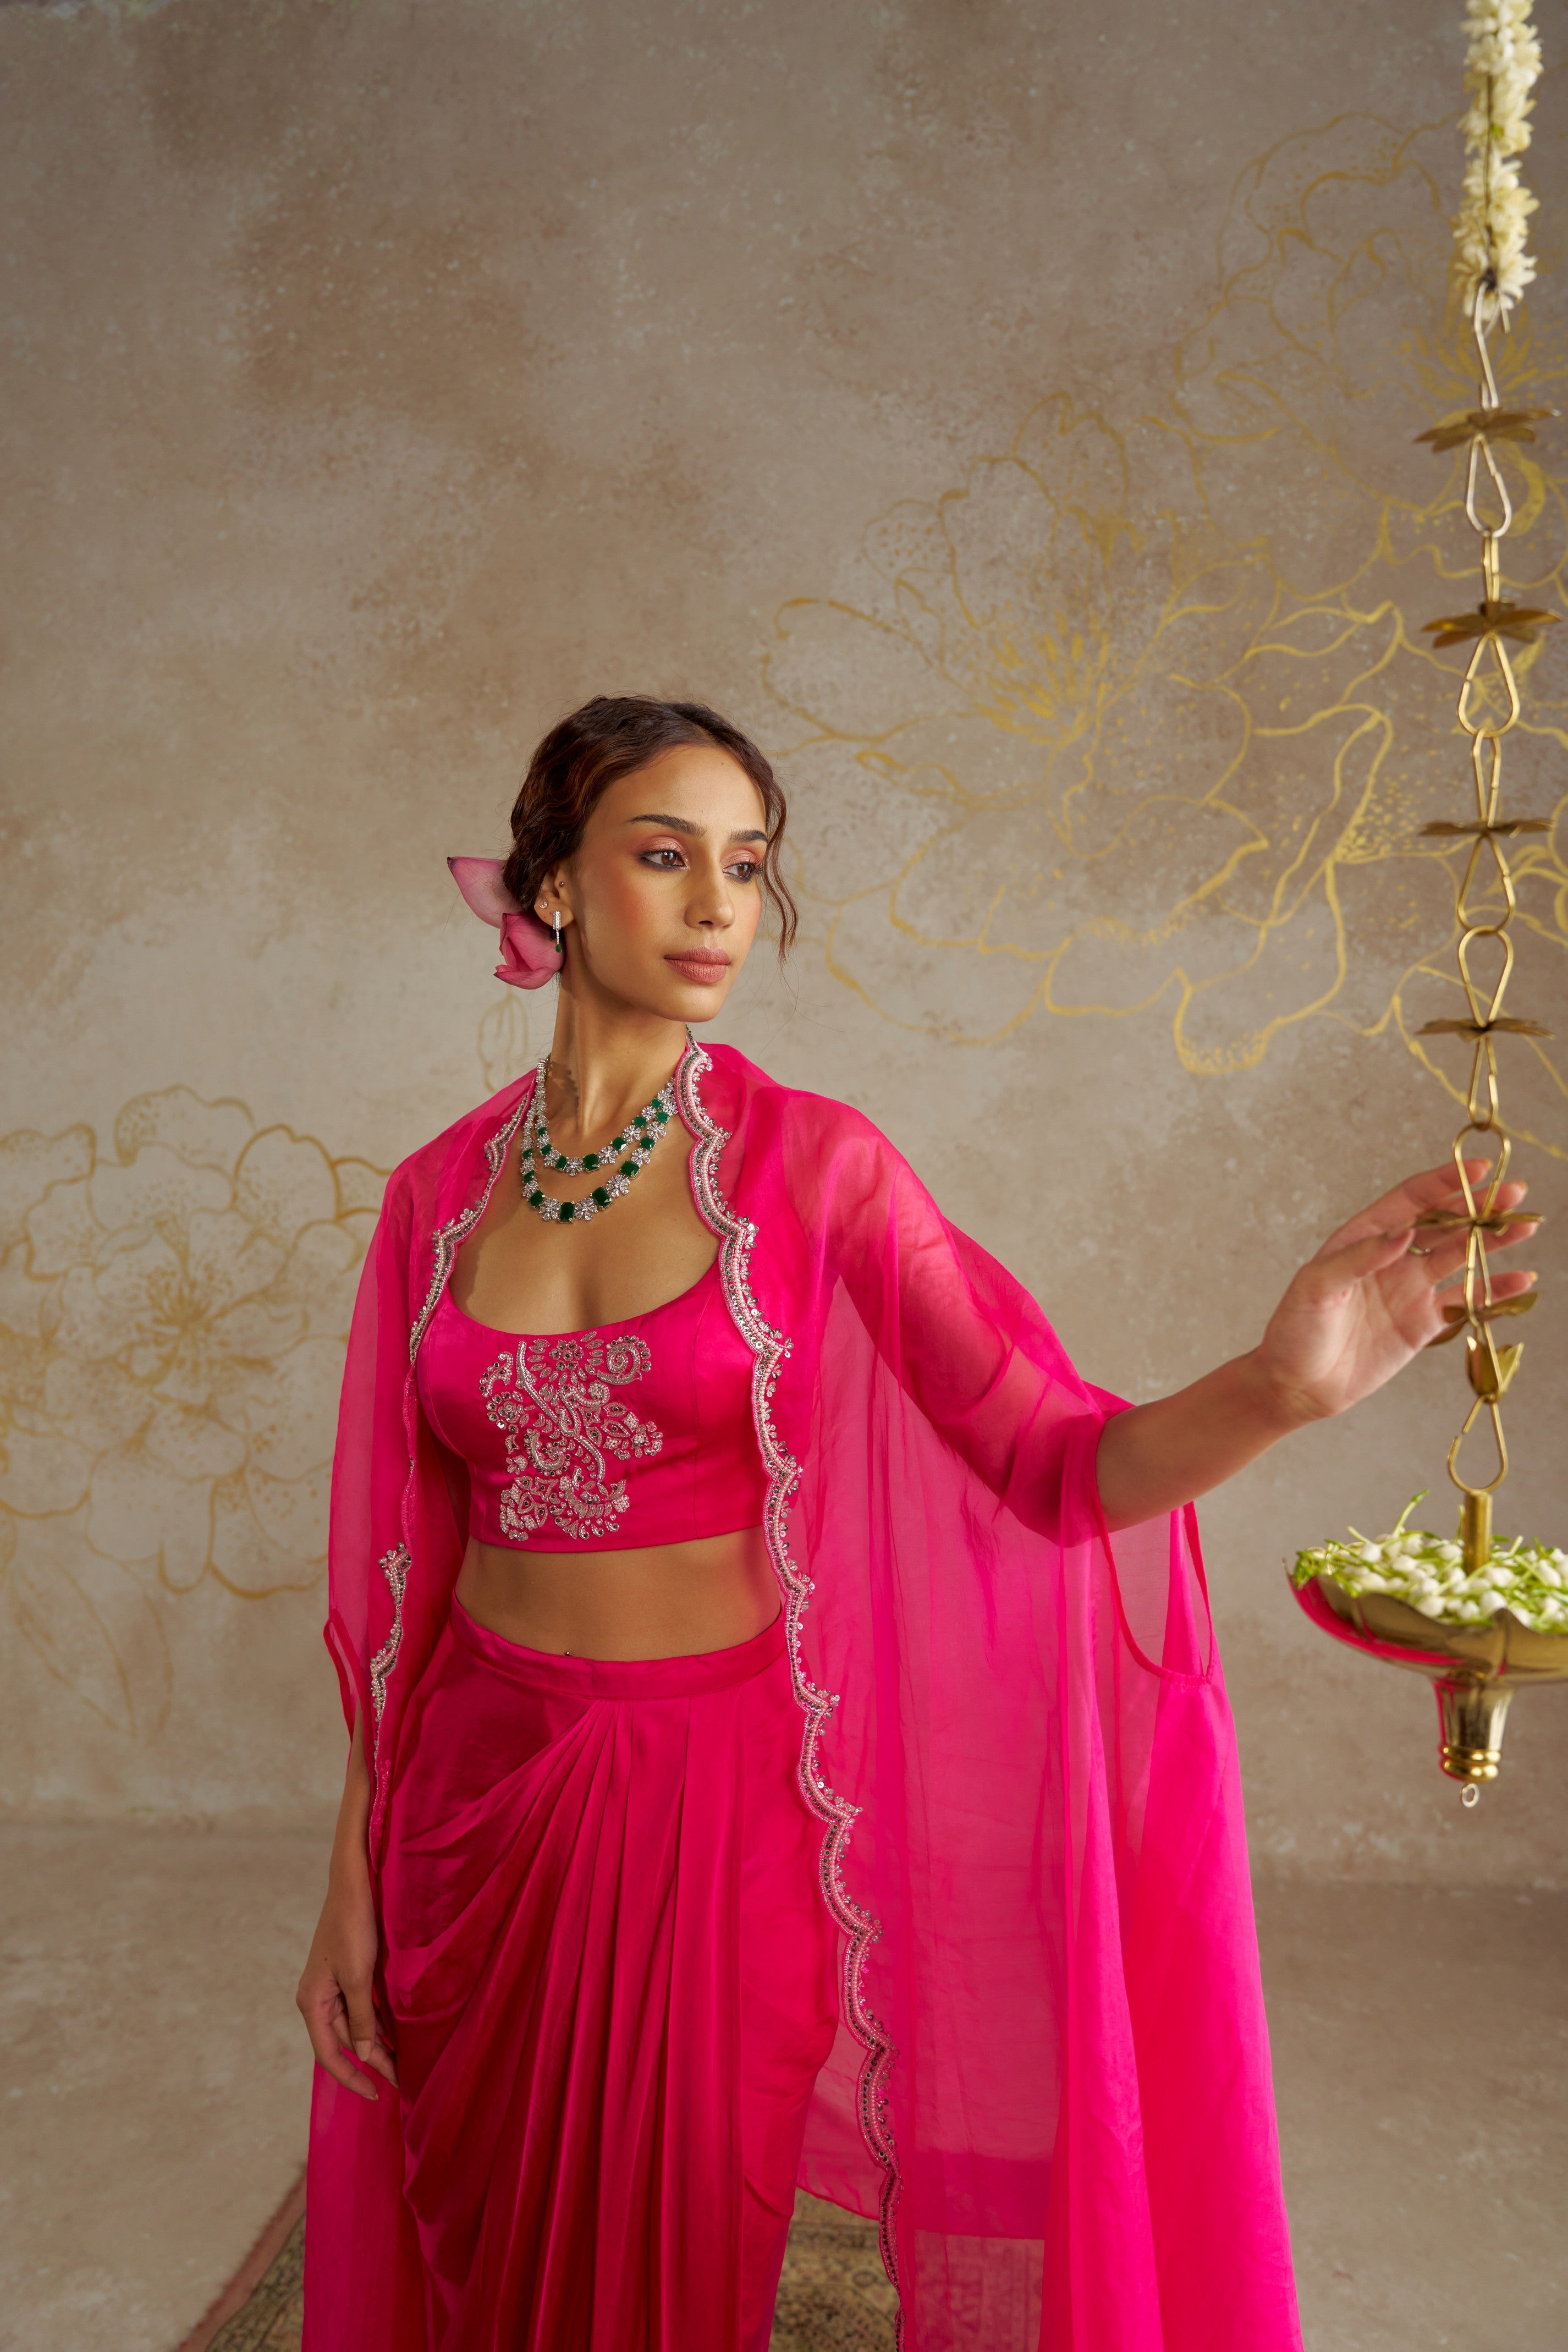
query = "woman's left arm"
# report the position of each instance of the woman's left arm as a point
(1355, 1315)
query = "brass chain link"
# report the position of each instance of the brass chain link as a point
(1485, 950)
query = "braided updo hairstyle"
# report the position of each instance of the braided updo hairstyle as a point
(609, 737)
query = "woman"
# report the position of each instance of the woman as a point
(765, 1766)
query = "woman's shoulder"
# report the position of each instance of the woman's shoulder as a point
(795, 1117)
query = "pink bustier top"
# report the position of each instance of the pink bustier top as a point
(632, 1433)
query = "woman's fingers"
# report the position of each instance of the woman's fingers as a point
(1445, 1257)
(325, 2023)
(364, 2035)
(1404, 1205)
(1503, 1286)
(1426, 1263)
(1353, 1261)
(1433, 1189)
(1512, 1284)
(343, 2069)
(332, 2014)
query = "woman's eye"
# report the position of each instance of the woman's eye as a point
(747, 870)
(665, 859)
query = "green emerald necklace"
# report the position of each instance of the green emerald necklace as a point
(635, 1140)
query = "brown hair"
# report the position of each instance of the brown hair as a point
(609, 737)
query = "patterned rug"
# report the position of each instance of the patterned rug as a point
(834, 2296)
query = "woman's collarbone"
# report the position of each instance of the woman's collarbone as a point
(576, 1277)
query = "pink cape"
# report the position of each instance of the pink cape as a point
(1051, 2073)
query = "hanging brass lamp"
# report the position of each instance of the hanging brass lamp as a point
(1481, 1618)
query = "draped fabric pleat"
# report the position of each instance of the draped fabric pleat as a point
(609, 1980)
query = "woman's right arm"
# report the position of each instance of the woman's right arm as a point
(335, 1991)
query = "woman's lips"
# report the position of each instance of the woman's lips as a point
(705, 970)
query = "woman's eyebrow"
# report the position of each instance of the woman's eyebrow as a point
(695, 832)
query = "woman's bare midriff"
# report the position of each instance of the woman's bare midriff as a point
(664, 1601)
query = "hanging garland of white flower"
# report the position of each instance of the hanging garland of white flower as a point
(1502, 65)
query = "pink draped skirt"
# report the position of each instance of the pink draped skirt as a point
(610, 1978)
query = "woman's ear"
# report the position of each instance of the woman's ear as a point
(554, 892)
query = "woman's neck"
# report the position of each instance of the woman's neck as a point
(605, 1065)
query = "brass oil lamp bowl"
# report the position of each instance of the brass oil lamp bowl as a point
(1475, 1668)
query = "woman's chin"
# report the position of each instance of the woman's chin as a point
(696, 1001)
(669, 996)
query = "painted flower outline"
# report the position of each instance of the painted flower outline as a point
(173, 1324)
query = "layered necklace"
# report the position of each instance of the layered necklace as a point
(624, 1156)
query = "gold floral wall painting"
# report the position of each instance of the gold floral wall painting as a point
(172, 1320)
(1148, 695)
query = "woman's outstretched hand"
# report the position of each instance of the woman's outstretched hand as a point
(1358, 1311)
(1355, 1315)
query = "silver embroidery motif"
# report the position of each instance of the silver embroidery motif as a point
(770, 1350)
(551, 1399)
(395, 1565)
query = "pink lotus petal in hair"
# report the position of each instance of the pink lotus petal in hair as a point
(479, 879)
(527, 949)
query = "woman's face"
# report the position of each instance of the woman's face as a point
(661, 901)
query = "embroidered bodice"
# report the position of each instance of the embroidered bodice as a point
(631, 1434)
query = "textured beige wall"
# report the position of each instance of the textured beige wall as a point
(1005, 409)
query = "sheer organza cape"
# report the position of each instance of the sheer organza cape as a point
(1051, 2079)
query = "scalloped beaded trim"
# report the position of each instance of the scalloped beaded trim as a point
(395, 1565)
(769, 1349)
(444, 1245)
(448, 1238)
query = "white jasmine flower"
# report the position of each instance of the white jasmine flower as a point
(1501, 66)
(1425, 1571)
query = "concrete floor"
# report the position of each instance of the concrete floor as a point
(155, 2074)
(1421, 2063)
(156, 2080)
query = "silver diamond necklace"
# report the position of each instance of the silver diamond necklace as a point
(624, 1156)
